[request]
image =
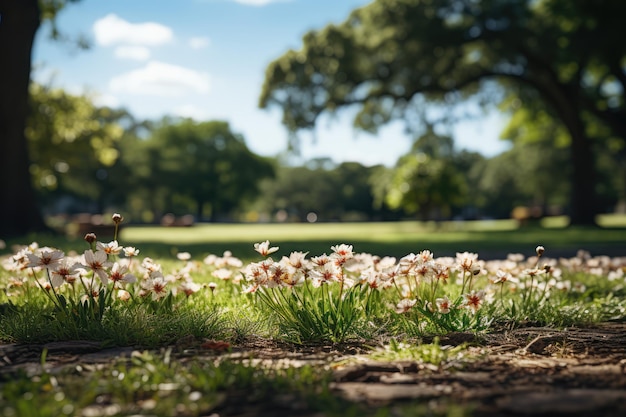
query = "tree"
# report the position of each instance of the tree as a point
(332, 192)
(426, 181)
(19, 22)
(391, 57)
(205, 163)
(541, 154)
(74, 148)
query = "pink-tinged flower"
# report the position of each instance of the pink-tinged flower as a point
(325, 274)
(97, 262)
(183, 256)
(277, 274)
(250, 289)
(443, 305)
(294, 279)
(320, 260)
(405, 305)
(223, 274)
(343, 250)
(386, 263)
(264, 248)
(111, 248)
(123, 295)
(533, 272)
(48, 259)
(341, 253)
(474, 300)
(408, 261)
(119, 273)
(131, 251)
(423, 270)
(254, 272)
(501, 277)
(65, 273)
(190, 287)
(157, 287)
(372, 278)
(440, 272)
(297, 260)
(466, 261)
(150, 266)
(426, 256)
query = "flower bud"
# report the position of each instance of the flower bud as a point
(123, 295)
(540, 250)
(117, 218)
(90, 238)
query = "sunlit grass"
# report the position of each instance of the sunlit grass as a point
(359, 304)
(497, 237)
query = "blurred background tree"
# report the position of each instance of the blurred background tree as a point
(75, 151)
(202, 167)
(392, 58)
(427, 181)
(554, 67)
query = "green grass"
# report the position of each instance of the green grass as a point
(490, 239)
(158, 384)
(495, 238)
(29, 315)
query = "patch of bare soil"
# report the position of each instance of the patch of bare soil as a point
(524, 372)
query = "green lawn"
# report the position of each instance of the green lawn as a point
(490, 239)
(493, 238)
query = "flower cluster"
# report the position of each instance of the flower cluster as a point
(106, 268)
(327, 293)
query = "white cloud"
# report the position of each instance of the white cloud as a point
(112, 30)
(199, 42)
(194, 112)
(136, 53)
(106, 100)
(161, 79)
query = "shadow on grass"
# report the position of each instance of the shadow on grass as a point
(494, 244)
(489, 245)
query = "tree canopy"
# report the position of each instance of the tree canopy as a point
(392, 58)
(204, 162)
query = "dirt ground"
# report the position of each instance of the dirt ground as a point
(522, 372)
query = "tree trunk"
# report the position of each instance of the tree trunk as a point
(199, 209)
(19, 212)
(583, 199)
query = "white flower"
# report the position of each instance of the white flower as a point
(443, 305)
(48, 259)
(119, 273)
(156, 286)
(183, 256)
(130, 251)
(97, 261)
(405, 305)
(223, 274)
(65, 273)
(465, 261)
(474, 300)
(111, 248)
(264, 248)
(123, 295)
(501, 277)
(324, 274)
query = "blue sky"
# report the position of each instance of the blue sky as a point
(206, 59)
